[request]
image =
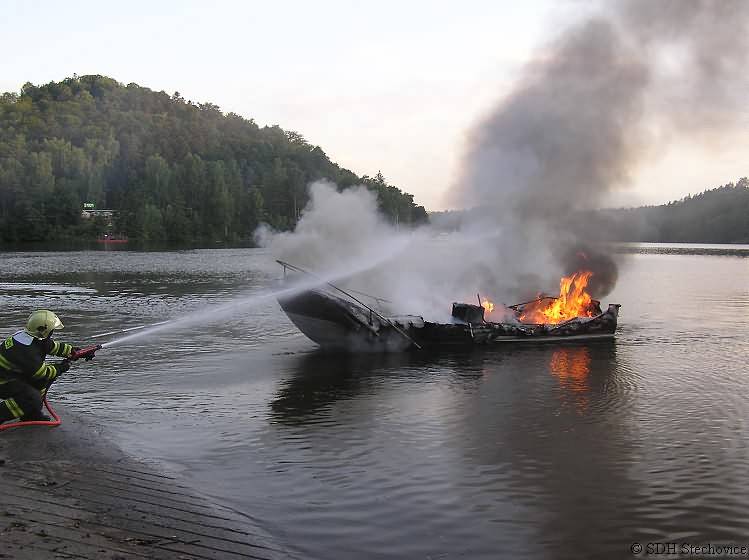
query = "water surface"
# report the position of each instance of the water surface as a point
(565, 451)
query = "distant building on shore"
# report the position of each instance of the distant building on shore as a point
(89, 211)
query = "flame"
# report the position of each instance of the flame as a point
(487, 305)
(573, 301)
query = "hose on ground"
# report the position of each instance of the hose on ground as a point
(20, 424)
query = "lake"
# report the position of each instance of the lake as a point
(567, 451)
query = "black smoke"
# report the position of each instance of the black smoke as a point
(593, 105)
(587, 257)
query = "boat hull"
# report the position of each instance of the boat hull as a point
(338, 324)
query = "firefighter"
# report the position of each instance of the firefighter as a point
(24, 375)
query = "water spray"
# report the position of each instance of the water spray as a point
(130, 329)
(87, 353)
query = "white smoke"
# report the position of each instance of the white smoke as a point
(342, 235)
(335, 231)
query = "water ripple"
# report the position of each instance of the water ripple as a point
(512, 452)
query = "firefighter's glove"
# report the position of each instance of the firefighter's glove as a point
(63, 366)
(76, 349)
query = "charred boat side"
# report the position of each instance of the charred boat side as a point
(334, 322)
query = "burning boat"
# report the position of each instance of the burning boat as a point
(337, 319)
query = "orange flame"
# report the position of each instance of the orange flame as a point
(487, 305)
(573, 301)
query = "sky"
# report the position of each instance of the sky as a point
(390, 86)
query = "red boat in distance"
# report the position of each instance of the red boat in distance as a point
(112, 238)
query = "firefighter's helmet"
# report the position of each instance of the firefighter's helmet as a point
(41, 323)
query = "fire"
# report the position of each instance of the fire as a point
(573, 301)
(487, 305)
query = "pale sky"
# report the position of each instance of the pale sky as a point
(393, 86)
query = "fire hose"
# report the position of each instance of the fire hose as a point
(87, 354)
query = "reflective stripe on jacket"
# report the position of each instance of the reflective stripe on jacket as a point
(22, 357)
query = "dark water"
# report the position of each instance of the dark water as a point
(535, 452)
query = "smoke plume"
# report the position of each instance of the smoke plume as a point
(598, 101)
(569, 132)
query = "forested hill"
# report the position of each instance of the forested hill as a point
(171, 169)
(719, 215)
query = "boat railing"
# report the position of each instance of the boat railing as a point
(294, 268)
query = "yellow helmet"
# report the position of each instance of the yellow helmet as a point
(41, 323)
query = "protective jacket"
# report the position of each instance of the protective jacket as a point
(22, 358)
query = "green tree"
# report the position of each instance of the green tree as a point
(168, 167)
(152, 227)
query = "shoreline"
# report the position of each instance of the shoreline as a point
(68, 492)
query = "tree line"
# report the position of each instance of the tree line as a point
(171, 169)
(719, 215)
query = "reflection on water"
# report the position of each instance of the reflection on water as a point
(547, 451)
(508, 462)
(560, 439)
(571, 367)
(320, 379)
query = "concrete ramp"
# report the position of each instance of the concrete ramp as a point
(66, 493)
